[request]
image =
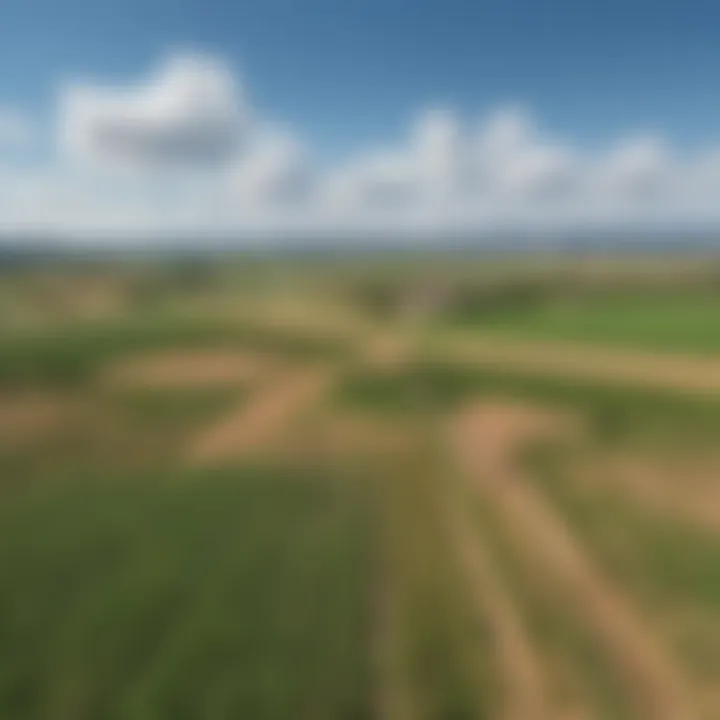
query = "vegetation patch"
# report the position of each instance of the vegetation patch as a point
(74, 355)
(182, 597)
(613, 414)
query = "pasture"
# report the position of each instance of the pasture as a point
(389, 488)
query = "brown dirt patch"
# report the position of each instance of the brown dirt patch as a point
(348, 437)
(493, 434)
(487, 440)
(25, 418)
(386, 353)
(663, 371)
(687, 489)
(523, 681)
(261, 419)
(188, 369)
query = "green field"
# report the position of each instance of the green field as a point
(168, 598)
(688, 323)
(428, 535)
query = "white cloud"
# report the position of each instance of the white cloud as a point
(190, 112)
(439, 151)
(429, 168)
(275, 168)
(206, 162)
(382, 180)
(516, 164)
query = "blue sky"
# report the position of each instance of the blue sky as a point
(602, 90)
(352, 71)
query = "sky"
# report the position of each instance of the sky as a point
(288, 118)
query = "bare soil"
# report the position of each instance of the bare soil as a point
(28, 417)
(683, 488)
(261, 419)
(487, 439)
(524, 692)
(188, 369)
(665, 371)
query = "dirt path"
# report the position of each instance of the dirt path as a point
(682, 489)
(181, 369)
(31, 416)
(487, 438)
(259, 420)
(659, 371)
(524, 692)
(386, 352)
(616, 366)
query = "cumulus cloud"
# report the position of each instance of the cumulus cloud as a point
(449, 171)
(190, 112)
(204, 161)
(438, 146)
(516, 162)
(274, 169)
(636, 168)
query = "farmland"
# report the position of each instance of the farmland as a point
(389, 488)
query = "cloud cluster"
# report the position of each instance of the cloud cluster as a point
(190, 112)
(182, 151)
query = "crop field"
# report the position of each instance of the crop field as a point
(390, 488)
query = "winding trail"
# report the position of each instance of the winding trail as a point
(678, 373)
(487, 438)
(524, 693)
(626, 367)
(259, 420)
(187, 369)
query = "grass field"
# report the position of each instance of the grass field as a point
(688, 323)
(271, 492)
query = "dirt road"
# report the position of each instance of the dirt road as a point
(260, 419)
(486, 439)
(615, 366)
(179, 370)
(523, 684)
(657, 371)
